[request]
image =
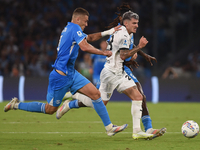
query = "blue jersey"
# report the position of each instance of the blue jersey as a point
(67, 53)
(98, 63)
(68, 48)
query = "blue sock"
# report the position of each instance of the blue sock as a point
(32, 106)
(146, 120)
(101, 110)
(73, 104)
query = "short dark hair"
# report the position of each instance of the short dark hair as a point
(80, 11)
(128, 15)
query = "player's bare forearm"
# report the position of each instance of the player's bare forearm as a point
(85, 46)
(147, 57)
(141, 53)
(94, 37)
(128, 53)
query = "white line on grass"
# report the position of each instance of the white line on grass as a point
(71, 122)
(53, 122)
(73, 132)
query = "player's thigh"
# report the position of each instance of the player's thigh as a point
(84, 86)
(129, 72)
(125, 82)
(79, 81)
(91, 91)
(133, 93)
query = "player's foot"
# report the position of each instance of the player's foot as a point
(157, 132)
(142, 135)
(63, 109)
(115, 129)
(11, 104)
(68, 96)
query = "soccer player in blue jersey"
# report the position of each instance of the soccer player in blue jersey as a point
(98, 64)
(146, 120)
(64, 77)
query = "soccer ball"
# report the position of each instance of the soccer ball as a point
(190, 129)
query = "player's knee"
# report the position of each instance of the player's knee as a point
(50, 109)
(144, 97)
(96, 95)
(138, 97)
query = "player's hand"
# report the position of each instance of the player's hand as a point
(131, 63)
(143, 42)
(150, 58)
(117, 28)
(107, 53)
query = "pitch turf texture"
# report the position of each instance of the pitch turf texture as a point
(82, 129)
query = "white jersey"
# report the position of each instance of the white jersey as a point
(120, 39)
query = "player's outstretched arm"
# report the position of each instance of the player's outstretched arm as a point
(96, 36)
(85, 46)
(147, 57)
(125, 53)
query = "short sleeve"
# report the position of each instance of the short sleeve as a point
(124, 42)
(78, 34)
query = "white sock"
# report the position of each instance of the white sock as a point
(136, 112)
(84, 99)
(109, 127)
(16, 105)
(149, 130)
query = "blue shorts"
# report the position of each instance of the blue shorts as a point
(59, 85)
(129, 72)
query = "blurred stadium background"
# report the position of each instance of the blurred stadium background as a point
(30, 30)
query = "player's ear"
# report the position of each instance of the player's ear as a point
(125, 22)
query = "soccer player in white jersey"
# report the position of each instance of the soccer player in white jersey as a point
(64, 77)
(114, 77)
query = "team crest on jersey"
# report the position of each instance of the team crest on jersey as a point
(57, 101)
(79, 33)
(125, 42)
(108, 95)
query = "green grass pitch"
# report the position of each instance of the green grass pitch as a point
(82, 129)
